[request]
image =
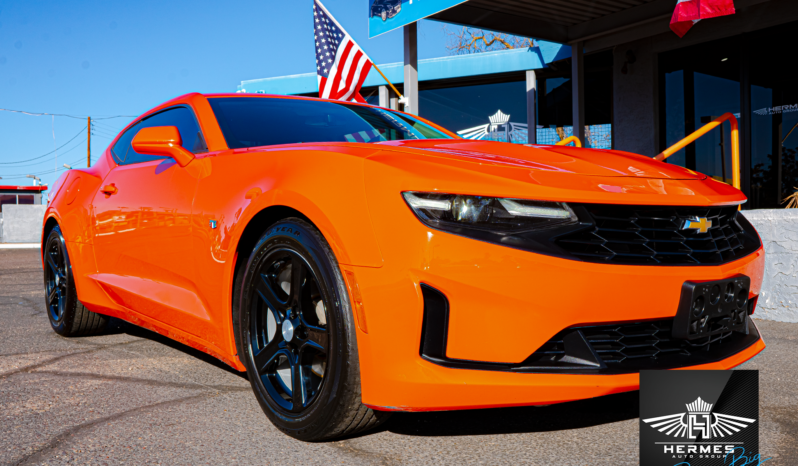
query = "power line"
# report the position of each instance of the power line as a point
(46, 172)
(102, 131)
(45, 155)
(106, 127)
(43, 161)
(115, 116)
(64, 114)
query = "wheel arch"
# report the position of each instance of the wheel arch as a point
(49, 224)
(246, 244)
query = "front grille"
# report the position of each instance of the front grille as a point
(630, 347)
(654, 235)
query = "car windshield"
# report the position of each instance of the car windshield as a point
(259, 121)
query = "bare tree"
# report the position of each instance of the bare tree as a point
(469, 40)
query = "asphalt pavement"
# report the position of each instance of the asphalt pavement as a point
(134, 397)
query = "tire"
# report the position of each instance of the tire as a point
(68, 317)
(384, 15)
(297, 336)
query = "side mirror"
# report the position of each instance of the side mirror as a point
(162, 140)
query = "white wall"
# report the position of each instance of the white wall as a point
(778, 229)
(22, 223)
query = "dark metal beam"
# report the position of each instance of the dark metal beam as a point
(623, 19)
(556, 11)
(562, 21)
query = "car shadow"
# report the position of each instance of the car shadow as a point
(516, 420)
(528, 419)
(118, 326)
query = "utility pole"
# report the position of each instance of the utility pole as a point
(88, 146)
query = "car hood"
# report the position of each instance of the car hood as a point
(557, 159)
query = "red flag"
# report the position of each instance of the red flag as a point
(689, 12)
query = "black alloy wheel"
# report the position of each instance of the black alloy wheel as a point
(56, 277)
(297, 336)
(67, 315)
(288, 336)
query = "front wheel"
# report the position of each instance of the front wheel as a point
(298, 337)
(384, 15)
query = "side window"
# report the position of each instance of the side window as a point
(181, 117)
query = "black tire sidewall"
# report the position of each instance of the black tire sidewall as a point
(62, 326)
(301, 237)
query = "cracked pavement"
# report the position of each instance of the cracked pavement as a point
(134, 397)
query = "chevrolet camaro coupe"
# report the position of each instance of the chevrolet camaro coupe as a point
(356, 261)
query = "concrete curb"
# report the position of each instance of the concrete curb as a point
(778, 229)
(20, 246)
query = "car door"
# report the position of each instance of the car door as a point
(142, 220)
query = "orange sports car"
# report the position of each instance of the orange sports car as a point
(355, 260)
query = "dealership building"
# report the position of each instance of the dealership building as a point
(616, 69)
(614, 74)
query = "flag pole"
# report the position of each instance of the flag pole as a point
(386, 80)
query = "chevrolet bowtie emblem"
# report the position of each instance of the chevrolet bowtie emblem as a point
(701, 224)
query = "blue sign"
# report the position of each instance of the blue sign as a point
(387, 15)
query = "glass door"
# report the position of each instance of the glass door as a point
(774, 118)
(701, 83)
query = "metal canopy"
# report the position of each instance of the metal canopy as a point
(564, 21)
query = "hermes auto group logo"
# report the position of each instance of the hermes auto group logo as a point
(699, 418)
(699, 422)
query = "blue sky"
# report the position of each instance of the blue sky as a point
(107, 58)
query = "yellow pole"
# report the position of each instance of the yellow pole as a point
(569, 139)
(386, 80)
(735, 143)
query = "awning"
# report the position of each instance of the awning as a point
(568, 21)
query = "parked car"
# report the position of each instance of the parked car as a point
(356, 261)
(386, 8)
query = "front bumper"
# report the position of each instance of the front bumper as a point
(505, 304)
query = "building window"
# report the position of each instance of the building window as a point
(7, 199)
(468, 110)
(774, 117)
(497, 111)
(702, 82)
(555, 110)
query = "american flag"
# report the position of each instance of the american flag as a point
(340, 64)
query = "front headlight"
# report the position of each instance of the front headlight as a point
(457, 212)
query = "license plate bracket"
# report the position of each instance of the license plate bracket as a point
(712, 308)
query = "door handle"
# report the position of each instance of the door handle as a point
(109, 189)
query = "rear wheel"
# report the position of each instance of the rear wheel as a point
(298, 337)
(68, 317)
